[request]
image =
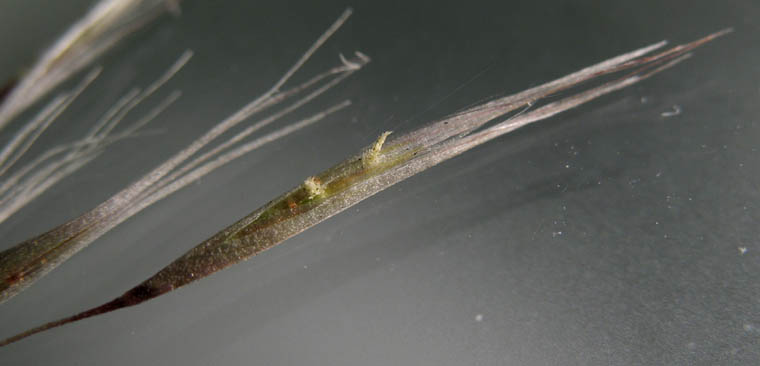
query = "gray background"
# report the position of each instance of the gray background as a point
(608, 235)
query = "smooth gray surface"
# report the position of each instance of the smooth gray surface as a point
(608, 235)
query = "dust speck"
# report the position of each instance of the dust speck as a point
(674, 112)
(479, 318)
(742, 250)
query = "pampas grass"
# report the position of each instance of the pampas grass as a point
(383, 163)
